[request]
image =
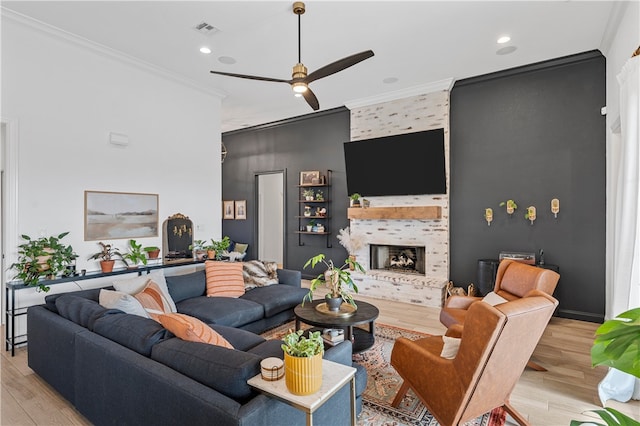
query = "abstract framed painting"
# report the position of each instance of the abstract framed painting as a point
(119, 215)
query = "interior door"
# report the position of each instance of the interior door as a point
(271, 216)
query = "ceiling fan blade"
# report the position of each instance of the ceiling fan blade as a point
(251, 77)
(338, 65)
(311, 99)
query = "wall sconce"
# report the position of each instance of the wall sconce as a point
(488, 215)
(531, 214)
(555, 207)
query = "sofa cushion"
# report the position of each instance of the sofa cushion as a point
(112, 299)
(186, 286)
(82, 311)
(91, 294)
(276, 298)
(224, 279)
(257, 273)
(136, 285)
(153, 300)
(192, 329)
(240, 339)
(132, 331)
(227, 311)
(268, 348)
(225, 370)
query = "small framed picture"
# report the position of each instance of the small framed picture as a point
(307, 178)
(241, 209)
(228, 210)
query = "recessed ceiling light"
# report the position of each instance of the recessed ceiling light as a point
(226, 60)
(504, 39)
(506, 50)
(390, 80)
(205, 50)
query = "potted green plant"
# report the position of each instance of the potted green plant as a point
(308, 194)
(354, 200)
(319, 195)
(337, 279)
(617, 345)
(199, 249)
(42, 257)
(108, 256)
(511, 206)
(303, 362)
(134, 255)
(152, 252)
(310, 225)
(215, 249)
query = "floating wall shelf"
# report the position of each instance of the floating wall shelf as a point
(413, 212)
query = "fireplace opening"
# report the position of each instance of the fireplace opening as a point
(405, 259)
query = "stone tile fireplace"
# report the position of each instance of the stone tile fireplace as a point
(390, 242)
(417, 223)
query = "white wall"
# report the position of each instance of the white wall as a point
(67, 97)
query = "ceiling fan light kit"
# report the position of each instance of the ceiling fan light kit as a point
(299, 78)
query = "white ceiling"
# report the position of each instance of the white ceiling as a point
(417, 42)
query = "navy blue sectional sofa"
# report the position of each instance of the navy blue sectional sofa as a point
(122, 369)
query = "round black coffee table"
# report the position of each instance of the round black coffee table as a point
(361, 339)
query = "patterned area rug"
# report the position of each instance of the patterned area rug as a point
(383, 383)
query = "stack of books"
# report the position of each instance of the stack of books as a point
(333, 340)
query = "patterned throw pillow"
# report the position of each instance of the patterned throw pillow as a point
(258, 273)
(153, 301)
(192, 329)
(224, 279)
(135, 285)
(125, 302)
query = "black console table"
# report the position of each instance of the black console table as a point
(12, 312)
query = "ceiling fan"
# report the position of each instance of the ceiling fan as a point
(299, 78)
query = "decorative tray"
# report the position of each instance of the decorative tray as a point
(345, 310)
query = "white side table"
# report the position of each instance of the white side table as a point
(334, 377)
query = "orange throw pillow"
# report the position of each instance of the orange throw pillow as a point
(224, 279)
(152, 300)
(192, 329)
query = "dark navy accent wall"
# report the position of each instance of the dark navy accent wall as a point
(532, 134)
(311, 142)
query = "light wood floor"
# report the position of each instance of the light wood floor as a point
(555, 397)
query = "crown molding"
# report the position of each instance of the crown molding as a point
(422, 89)
(106, 51)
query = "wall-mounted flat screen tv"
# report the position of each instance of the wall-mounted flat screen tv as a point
(407, 164)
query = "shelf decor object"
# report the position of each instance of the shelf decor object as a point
(555, 207)
(488, 215)
(531, 214)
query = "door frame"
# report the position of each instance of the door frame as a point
(256, 197)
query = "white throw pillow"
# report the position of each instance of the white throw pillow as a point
(494, 299)
(450, 348)
(136, 285)
(125, 302)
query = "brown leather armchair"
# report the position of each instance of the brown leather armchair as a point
(496, 344)
(513, 280)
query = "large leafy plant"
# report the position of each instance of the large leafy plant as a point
(42, 257)
(337, 279)
(617, 345)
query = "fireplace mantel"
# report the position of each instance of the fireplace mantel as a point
(404, 212)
